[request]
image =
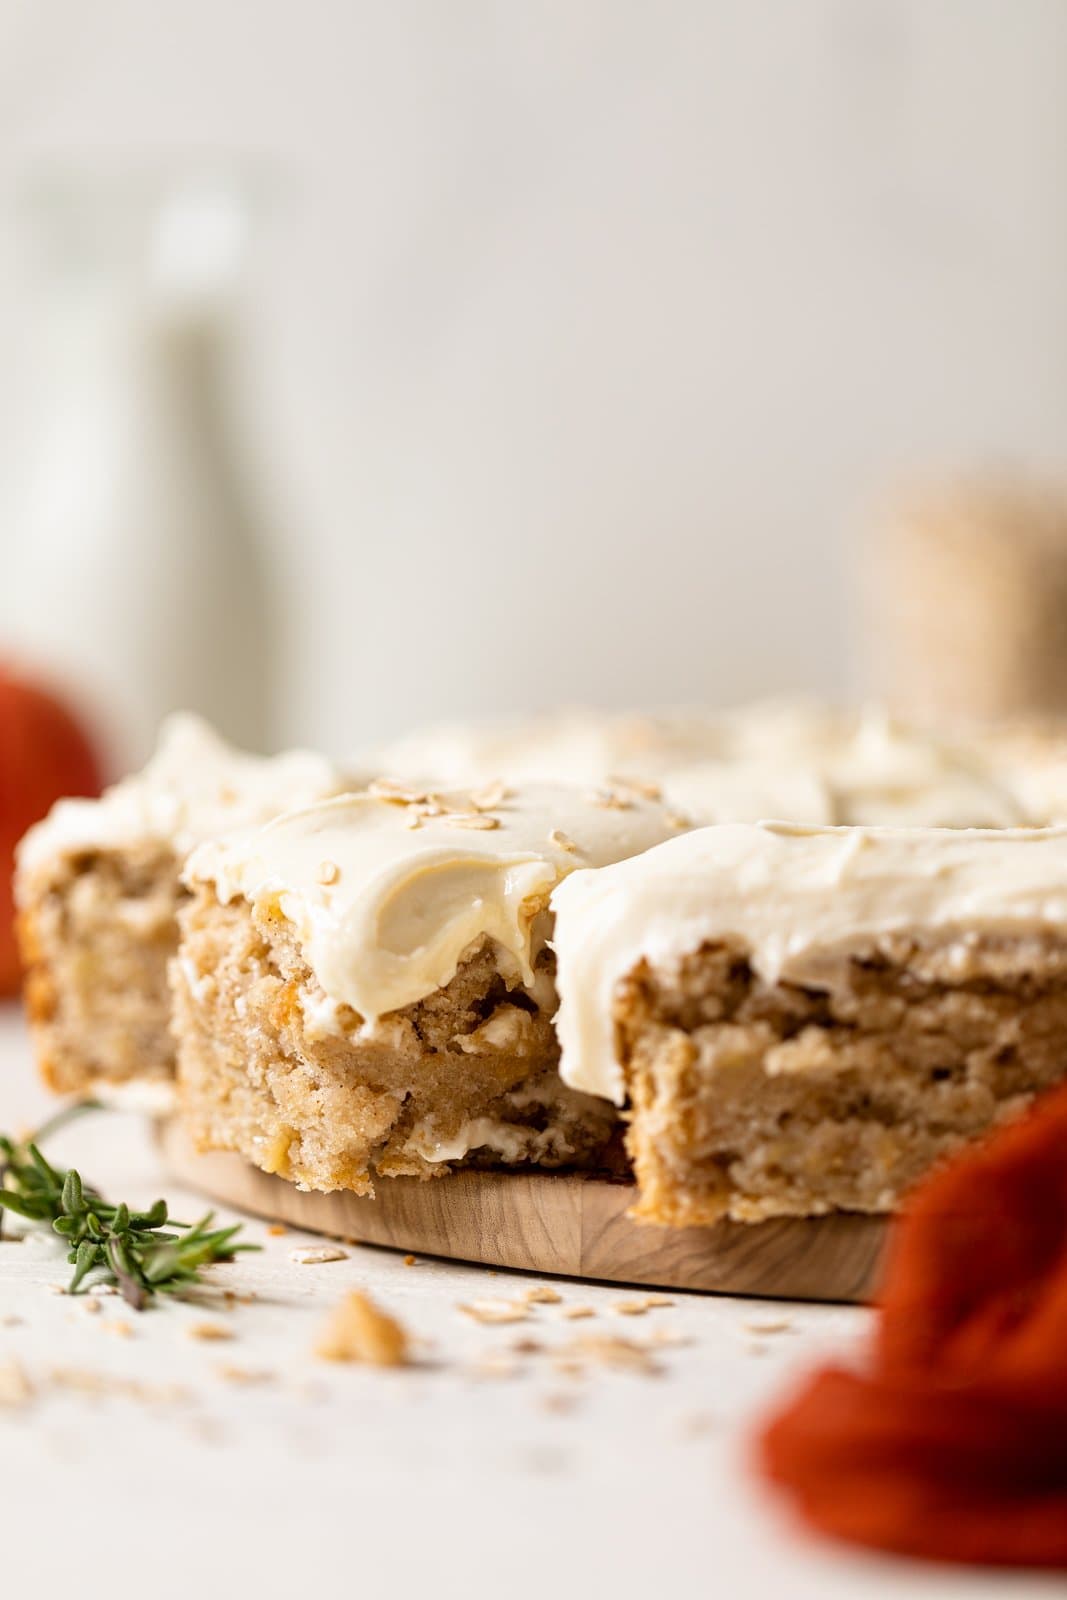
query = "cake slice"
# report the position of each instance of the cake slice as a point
(97, 887)
(802, 1020)
(365, 987)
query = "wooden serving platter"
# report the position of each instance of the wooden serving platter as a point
(568, 1225)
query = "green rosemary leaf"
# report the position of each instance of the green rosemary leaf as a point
(143, 1253)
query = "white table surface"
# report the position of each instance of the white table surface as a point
(437, 1479)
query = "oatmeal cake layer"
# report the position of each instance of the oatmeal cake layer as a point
(364, 988)
(802, 1020)
(97, 886)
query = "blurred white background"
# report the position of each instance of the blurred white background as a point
(587, 334)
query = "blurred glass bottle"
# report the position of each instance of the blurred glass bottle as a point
(136, 575)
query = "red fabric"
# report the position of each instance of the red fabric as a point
(952, 1441)
(43, 755)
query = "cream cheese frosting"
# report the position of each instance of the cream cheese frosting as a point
(195, 786)
(387, 889)
(575, 745)
(794, 898)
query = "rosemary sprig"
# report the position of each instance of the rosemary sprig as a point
(143, 1253)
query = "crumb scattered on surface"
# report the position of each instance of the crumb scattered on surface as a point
(559, 1402)
(495, 1311)
(328, 872)
(15, 1387)
(496, 1364)
(527, 1347)
(542, 1294)
(84, 1380)
(667, 1337)
(277, 1230)
(209, 1331)
(768, 1325)
(637, 1308)
(121, 1330)
(317, 1255)
(246, 1376)
(10, 1320)
(611, 1351)
(577, 1313)
(93, 1306)
(409, 1261)
(697, 1425)
(359, 1330)
(563, 841)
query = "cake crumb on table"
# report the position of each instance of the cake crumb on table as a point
(317, 1255)
(577, 1313)
(209, 1331)
(637, 1308)
(494, 1311)
(359, 1330)
(15, 1387)
(542, 1294)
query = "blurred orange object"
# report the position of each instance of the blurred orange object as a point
(951, 1442)
(44, 754)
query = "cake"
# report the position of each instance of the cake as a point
(365, 987)
(800, 1020)
(97, 888)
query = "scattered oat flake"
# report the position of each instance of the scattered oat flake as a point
(637, 1308)
(15, 1387)
(497, 1364)
(121, 1330)
(329, 872)
(93, 1306)
(317, 1255)
(527, 1347)
(667, 1337)
(472, 819)
(494, 794)
(209, 1331)
(576, 1313)
(495, 1311)
(542, 1294)
(562, 841)
(610, 800)
(246, 1376)
(359, 1330)
(640, 786)
(611, 1351)
(768, 1325)
(676, 819)
(83, 1380)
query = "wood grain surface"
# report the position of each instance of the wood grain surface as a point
(565, 1224)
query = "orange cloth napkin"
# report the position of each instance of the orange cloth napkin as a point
(951, 1442)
